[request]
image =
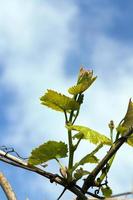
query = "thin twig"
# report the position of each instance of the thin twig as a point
(62, 193)
(91, 194)
(11, 150)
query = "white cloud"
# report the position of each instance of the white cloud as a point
(35, 38)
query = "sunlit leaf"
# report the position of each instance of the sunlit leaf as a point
(85, 80)
(128, 119)
(89, 134)
(59, 102)
(127, 123)
(47, 151)
(89, 158)
(85, 75)
(81, 87)
(121, 129)
(107, 192)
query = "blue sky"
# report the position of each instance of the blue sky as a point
(43, 44)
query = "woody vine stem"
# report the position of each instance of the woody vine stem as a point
(74, 171)
(78, 191)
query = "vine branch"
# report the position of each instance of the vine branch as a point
(89, 181)
(75, 189)
(12, 160)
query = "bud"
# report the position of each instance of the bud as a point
(85, 75)
(111, 125)
(63, 172)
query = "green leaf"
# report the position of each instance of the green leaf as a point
(85, 80)
(130, 140)
(127, 123)
(128, 119)
(89, 158)
(59, 102)
(48, 151)
(85, 75)
(121, 129)
(107, 192)
(80, 173)
(89, 134)
(81, 87)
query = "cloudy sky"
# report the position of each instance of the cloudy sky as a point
(42, 45)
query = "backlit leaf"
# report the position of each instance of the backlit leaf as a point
(59, 102)
(128, 119)
(89, 134)
(47, 151)
(85, 75)
(121, 129)
(85, 80)
(89, 158)
(81, 87)
(127, 123)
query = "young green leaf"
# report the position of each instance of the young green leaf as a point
(81, 87)
(130, 141)
(79, 173)
(128, 119)
(127, 123)
(84, 82)
(47, 151)
(59, 102)
(84, 75)
(89, 134)
(89, 158)
(121, 129)
(107, 192)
